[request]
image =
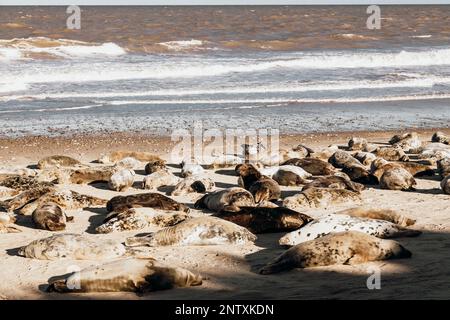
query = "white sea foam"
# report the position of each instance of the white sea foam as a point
(421, 82)
(15, 49)
(182, 45)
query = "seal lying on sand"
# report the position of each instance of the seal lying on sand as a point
(158, 179)
(333, 223)
(440, 137)
(266, 220)
(226, 200)
(394, 176)
(445, 185)
(6, 192)
(121, 180)
(352, 167)
(435, 151)
(25, 197)
(135, 275)
(140, 218)
(73, 247)
(21, 183)
(351, 247)
(149, 200)
(116, 156)
(291, 176)
(6, 221)
(50, 217)
(58, 162)
(191, 169)
(408, 142)
(381, 214)
(334, 182)
(379, 165)
(224, 161)
(196, 231)
(356, 143)
(391, 154)
(321, 198)
(443, 167)
(154, 166)
(365, 158)
(193, 184)
(316, 167)
(66, 199)
(265, 189)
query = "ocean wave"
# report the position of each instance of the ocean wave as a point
(61, 48)
(421, 82)
(182, 44)
(281, 100)
(51, 109)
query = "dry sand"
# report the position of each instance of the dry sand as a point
(231, 270)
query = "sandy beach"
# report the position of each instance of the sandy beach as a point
(230, 272)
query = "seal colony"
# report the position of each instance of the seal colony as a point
(330, 184)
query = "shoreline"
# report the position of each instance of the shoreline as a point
(22, 150)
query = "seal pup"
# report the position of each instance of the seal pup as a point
(191, 169)
(334, 182)
(333, 223)
(316, 167)
(445, 185)
(132, 275)
(129, 163)
(321, 198)
(199, 184)
(356, 143)
(140, 218)
(291, 176)
(196, 232)
(380, 214)
(391, 154)
(343, 248)
(73, 247)
(230, 199)
(121, 180)
(116, 156)
(58, 161)
(443, 167)
(266, 220)
(409, 142)
(66, 199)
(224, 161)
(440, 137)
(154, 166)
(6, 221)
(149, 200)
(51, 217)
(160, 178)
